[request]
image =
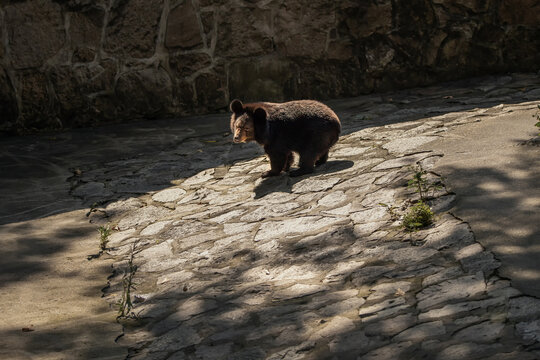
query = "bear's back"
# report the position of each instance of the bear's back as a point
(300, 124)
(299, 109)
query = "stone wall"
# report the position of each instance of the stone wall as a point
(67, 63)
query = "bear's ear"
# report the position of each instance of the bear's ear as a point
(259, 114)
(236, 106)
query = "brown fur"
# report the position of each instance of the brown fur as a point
(306, 127)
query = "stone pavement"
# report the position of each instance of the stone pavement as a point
(495, 171)
(231, 266)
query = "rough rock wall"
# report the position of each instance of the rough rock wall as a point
(66, 63)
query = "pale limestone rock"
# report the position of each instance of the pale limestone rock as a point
(342, 307)
(333, 199)
(400, 162)
(342, 271)
(452, 310)
(382, 309)
(461, 288)
(389, 352)
(295, 226)
(155, 228)
(422, 332)
(378, 213)
(169, 195)
(238, 228)
(298, 291)
(391, 289)
(404, 145)
(227, 216)
(143, 216)
(449, 234)
(314, 185)
(336, 326)
(158, 258)
(392, 326)
(485, 332)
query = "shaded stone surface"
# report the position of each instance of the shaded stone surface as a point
(460, 288)
(231, 265)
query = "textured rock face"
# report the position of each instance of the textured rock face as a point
(75, 63)
(183, 29)
(147, 91)
(133, 28)
(8, 105)
(85, 33)
(35, 32)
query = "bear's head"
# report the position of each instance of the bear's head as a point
(247, 123)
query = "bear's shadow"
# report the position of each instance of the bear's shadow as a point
(284, 183)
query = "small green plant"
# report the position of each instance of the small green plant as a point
(419, 216)
(125, 304)
(104, 233)
(421, 185)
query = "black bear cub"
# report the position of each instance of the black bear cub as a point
(306, 127)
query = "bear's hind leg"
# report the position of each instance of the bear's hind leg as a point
(277, 164)
(322, 159)
(288, 163)
(307, 165)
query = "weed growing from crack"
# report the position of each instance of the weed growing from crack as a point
(125, 304)
(421, 185)
(104, 233)
(419, 216)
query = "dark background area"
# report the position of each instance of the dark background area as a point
(78, 63)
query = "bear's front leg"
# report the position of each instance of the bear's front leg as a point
(277, 163)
